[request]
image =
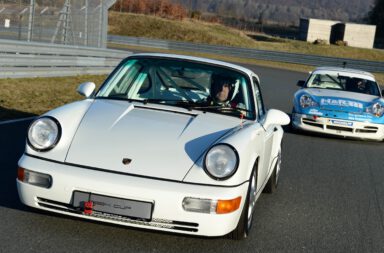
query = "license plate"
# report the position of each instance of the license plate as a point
(106, 204)
(342, 123)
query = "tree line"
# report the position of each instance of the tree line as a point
(376, 17)
(283, 11)
(161, 8)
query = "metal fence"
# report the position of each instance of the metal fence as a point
(20, 59)
(311, 60)
(30, 59)
(69, 22)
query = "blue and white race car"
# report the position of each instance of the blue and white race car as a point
(340, 101)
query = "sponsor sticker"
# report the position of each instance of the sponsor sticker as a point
(315, 112)
(342, 123)
(361, 117)
(341, 102)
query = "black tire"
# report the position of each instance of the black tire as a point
(245, 222)
(273, 181)
(291, 127)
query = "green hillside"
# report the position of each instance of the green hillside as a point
(139, 25)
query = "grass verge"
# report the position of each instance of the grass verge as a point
(34, 96)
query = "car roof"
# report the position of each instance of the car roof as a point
(345, 71)
(197, 59)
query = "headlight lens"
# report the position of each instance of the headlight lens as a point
(307, 101)
(44, 133)
(376, 109)
(221, 162)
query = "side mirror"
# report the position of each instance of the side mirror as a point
(86, 89)
(276, 117)
(300, 83)
(382, 93)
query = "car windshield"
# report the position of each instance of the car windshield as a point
(181, 83)
(346, 83)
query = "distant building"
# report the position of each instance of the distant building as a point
(316, 29)
(358, 35)
(355, 35)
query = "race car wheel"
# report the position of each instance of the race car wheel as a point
(245, 223)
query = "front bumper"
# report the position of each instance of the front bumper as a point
(339, 127)
(167, 197)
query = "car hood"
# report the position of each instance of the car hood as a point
(147, 140)
(341, 100)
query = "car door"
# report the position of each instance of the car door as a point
(267, 136)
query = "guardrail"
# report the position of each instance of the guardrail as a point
(311, 60)
(31, 59)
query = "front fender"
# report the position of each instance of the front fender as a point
(69, 117)
(247, 142)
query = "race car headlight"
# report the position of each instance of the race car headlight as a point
(376, 109)
(44, 133)
(307, 101)
(221, 162)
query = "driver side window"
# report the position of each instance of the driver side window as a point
(259, 98)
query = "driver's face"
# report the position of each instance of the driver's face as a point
(361, 85)
(222, 94)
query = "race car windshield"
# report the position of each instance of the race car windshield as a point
(345, 83)
(180, 83)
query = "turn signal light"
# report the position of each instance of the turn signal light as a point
(228, 206)
(34, 178)
(20, 174)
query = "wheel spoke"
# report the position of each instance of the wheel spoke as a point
(278, 166)
(252, 199)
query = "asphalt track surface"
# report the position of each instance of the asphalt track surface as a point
(330, 199)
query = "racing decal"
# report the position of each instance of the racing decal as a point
(342, 123)
(360, 117)
(315, 112)
(341, 102)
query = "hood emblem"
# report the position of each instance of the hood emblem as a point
(127, 161)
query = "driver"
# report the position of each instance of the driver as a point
(362, 87)
(222, 89)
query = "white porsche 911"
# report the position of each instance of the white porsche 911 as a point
(172, 143)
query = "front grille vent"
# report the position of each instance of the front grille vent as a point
(159, 223)
(344, 129)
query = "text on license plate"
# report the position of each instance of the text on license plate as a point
(112, 205)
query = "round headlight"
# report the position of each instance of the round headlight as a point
(221, 162)
(44, 133)
(307, 101)
(377, 109)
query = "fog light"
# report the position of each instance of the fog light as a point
(199, 205)
(34, 178)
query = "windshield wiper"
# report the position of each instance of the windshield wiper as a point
(220, 108)
(117, 97)
(234, 109)
(174, 101)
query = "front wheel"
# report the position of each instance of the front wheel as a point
(246, 218)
